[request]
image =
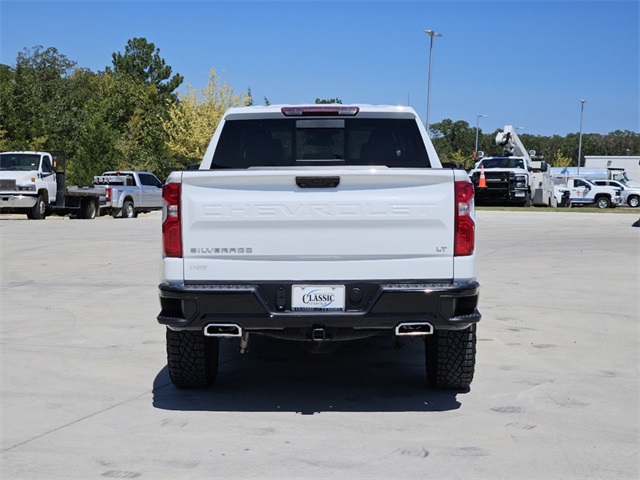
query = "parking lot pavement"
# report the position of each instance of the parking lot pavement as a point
(85, 392)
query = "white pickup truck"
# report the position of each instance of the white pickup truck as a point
(130, 192)
(319, 224)
(629, 192)
(580, 191)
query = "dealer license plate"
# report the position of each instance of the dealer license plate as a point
(318, 298)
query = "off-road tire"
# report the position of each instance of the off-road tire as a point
(128, 210)
(192, 358)
(39, 210)
(451, 357)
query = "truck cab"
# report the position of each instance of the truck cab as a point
(27, 183)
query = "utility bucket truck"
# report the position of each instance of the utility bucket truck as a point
(514, 177)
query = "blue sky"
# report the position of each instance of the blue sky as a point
(522, 63)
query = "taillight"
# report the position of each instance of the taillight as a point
(108, 193)
(171, 227)
(465, 235)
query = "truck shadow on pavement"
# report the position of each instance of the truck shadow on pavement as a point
(369, 375)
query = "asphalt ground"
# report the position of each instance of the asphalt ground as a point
(85, 391)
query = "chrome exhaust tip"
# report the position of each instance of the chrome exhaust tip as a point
(222, 330)
(414, 329)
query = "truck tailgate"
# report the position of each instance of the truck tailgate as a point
(386, 224)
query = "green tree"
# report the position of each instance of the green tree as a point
(35, 109)
(4, 141)
(453, 138)
(104, 117)
(141, 142)
(121, 129)
(141, 60)
(615, 143)
(7, 113)
(96, 150)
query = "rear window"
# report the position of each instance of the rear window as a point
(320, 141)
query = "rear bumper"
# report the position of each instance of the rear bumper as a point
(266, 307)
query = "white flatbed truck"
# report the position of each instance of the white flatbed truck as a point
(34, 183)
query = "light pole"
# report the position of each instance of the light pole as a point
(582, 102)
(477, 122)
(432, 34)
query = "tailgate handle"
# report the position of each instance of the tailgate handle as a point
(317, 182)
